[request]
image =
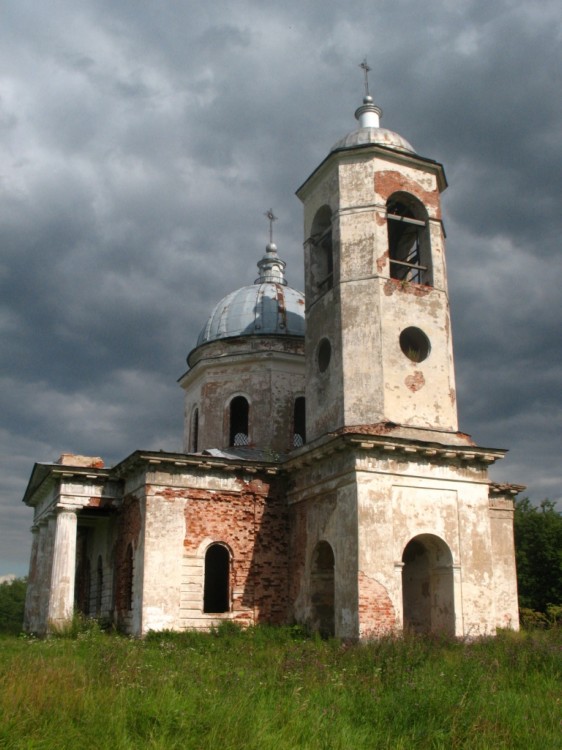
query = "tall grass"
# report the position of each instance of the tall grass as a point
(274, 688)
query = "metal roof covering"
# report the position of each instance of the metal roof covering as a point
(370, 132)
(259, 309)
(375, 136)
(267, 307)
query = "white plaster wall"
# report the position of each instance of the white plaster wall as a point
(505, 574)
(393, 509)
(325, 496)
(418, 393)
(395, 499)
(163, 552)
(324, 391)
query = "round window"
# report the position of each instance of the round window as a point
(415, 344)
(324, 354)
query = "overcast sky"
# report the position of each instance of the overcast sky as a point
(141, 143)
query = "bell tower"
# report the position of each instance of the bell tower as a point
(378, 337)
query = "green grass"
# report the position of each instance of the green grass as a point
(273, 688)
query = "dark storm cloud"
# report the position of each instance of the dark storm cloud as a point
(140, 145)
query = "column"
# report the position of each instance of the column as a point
(31, 614)
(61, 599)
(44, 567)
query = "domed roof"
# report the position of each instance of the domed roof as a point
(369, 131)
(376, 136)
(268, 307)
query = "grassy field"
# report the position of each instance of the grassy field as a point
(270, 688)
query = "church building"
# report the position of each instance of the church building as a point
(323, 478)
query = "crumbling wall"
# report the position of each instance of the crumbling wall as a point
(186, 512)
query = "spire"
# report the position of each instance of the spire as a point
(271, 267)
(368, 114)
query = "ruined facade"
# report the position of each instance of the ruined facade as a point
(324, 480)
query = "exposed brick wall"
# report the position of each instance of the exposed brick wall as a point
(298, 548)
(389, 181)
(269, 566)
(253, 524)
(376, 611)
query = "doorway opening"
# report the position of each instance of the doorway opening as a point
(427, 586)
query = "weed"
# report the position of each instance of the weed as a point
(267, 687)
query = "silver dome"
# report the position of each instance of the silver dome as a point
(260, 309)
(376, 136)
(265, 308)
(370, 132)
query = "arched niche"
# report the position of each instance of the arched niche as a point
(428, 586)
(322, 589)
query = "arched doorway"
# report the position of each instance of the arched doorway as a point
(322, 589)
(427, 586)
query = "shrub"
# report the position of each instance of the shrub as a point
(12, 605)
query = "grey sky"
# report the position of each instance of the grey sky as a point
(141, 143)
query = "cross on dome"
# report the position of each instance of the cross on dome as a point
(368, 113)
(271, 216)
(271, 267)
(366, 70)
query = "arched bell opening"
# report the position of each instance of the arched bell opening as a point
(428, 586)
(322, 590)
(322, 258)
(409, 248)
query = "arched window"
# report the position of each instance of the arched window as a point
(239, 417)
(99, 586)
(321, 256)
(216, 592)
(299, 423)
(194, 430)
(408, 239)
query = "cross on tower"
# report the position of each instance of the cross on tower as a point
(271, 216)
(366, 70)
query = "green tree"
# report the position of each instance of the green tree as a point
(538, 553)
(12, 602)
